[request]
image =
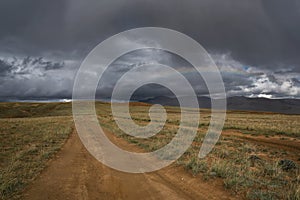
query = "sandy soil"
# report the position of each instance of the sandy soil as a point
(75, 174)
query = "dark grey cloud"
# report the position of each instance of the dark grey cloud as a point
(255, 42)
(238, 78)
(27, 65)
(143, 57)
(35, 78)
(253, 81)
(5, 68)
(254, 31)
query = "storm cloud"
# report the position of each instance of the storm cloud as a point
(255, 43)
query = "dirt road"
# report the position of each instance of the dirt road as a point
(276, 142)
(75, 174)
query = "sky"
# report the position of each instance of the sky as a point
(255, 44)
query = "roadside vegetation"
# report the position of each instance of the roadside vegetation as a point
(26, 145)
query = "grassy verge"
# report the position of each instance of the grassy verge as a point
(26, 146)
(248, 169)
(254, 177)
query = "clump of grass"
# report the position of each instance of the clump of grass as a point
(222, 169)
(271, 169)
(196, 166)
(261, 195)
(224, 153)
(239, 181)
(293, 193)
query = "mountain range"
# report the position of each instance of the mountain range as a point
(286, 106)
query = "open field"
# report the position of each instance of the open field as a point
(26, 145)
(257, 156)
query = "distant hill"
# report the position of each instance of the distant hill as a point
(286, 106)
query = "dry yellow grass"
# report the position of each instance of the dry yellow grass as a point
(26, 146)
